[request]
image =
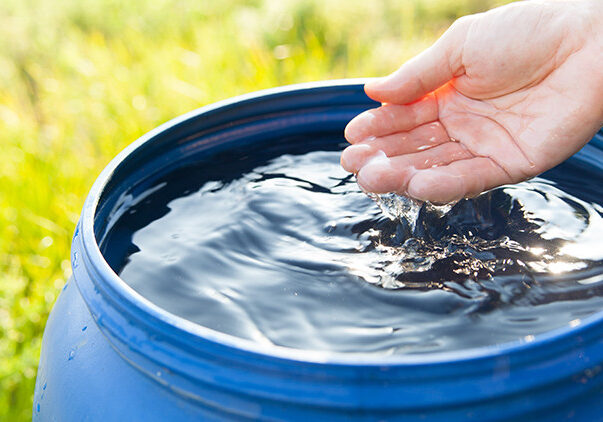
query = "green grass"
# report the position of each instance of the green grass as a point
(80, 79)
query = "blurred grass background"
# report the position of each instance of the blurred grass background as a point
(80, 79)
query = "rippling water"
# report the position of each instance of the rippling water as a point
(293, 253)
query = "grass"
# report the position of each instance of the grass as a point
(80, 79)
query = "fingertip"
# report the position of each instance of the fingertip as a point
(374, 176)
(373, 87)
(380, 88)
(354, 157)
(359, 127)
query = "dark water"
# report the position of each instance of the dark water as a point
(293, 253)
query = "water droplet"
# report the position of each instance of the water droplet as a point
(38, 407)
(397, 207)
(71, 355)
(84, 328)
(44, 386)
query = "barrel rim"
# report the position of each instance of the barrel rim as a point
(107, 280)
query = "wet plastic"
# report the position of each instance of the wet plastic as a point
(109, 354)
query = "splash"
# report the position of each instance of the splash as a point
(405, 209)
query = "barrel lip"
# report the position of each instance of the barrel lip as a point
(110, 284)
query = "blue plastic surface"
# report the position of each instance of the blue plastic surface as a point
(109, 354)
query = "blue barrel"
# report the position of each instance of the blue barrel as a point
(108, 354)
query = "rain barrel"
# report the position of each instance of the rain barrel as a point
(108, 354)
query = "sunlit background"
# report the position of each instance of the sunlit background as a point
(79, 80)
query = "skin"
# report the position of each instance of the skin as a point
(501, 97)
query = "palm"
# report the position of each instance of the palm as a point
(503, 129)
(503, 115)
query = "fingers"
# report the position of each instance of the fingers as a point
(390, 118)
(419, 139)
(459, 179)
(425, 72)
(381, 174)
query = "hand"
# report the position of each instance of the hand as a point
(501, 97)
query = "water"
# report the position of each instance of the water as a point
(291, 252)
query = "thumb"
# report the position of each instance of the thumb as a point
(425, 72)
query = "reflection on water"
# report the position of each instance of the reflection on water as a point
(531, 228)
(293, 253)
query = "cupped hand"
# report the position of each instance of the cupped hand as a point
(501, 97)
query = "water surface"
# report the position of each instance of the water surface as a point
(291, 252)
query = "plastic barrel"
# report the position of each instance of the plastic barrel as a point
(108, 354)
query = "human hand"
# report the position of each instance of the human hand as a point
(501, 97)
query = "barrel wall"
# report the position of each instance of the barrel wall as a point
(109, 355)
